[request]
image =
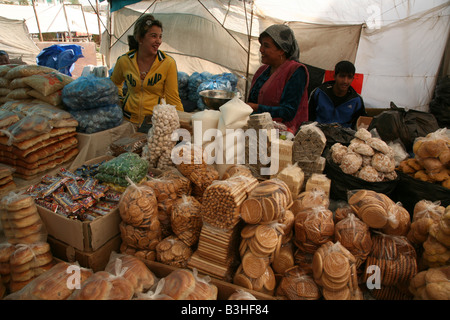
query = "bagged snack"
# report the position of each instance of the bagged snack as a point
(48, 83)
(186, 219)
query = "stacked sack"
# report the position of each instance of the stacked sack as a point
(94, 103)
(140, 227)
(367, 157)
(431, 162)
(34, 82)
(4, 83)
(431, 284)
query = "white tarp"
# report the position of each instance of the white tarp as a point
(398, 45)
(15, 39)
(53, 18)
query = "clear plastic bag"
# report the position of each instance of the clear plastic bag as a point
(99, 119)
(89, 92)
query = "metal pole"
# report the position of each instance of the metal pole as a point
(37, 21)
(99, 30)
(85, 23)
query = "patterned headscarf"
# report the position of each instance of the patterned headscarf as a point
(285, 38)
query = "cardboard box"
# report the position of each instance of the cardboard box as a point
(224, 289)
(82, 235)
(95, 260)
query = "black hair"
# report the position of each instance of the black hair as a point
(344, 67)
(143, 23)
(4, 53)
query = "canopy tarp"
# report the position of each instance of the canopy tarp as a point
(53, 18)
(15, 39)
(397, 45)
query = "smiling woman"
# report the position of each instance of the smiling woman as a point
(279, 86)
(149, 74)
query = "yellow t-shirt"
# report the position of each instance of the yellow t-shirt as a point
(161, 82)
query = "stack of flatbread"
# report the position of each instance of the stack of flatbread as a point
(7, 183)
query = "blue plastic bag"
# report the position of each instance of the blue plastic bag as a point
(60, 57)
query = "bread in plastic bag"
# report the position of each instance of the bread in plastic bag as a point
(20, 219)
(298, 284)
(137, 272)
(154, 295)
(241, 294)
(58, 283)
(104, 285)
(431, 284)
(184, 284)
(425, 214)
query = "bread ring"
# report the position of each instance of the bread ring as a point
(22, 276)
(42, 260)
(30, 239)
(22, 222)
(23, 232)
(40, 248)
(22, 213)
(21, 202)
(21, 256)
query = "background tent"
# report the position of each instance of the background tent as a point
(397, 45)
(15, 39)
(53, 18)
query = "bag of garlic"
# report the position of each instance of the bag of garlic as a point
(165, 122)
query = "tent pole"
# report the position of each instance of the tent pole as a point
(248, 52)
(85, 23)
(37, 21)
(67, 22)
(99, 28)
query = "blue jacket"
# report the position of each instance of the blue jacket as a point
(323, 110)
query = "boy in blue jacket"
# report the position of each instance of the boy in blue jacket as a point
(336, 101)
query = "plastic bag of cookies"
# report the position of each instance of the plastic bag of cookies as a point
(355, 236)
(298, 284)
(186, 219)
(174, 252)
(138, 205)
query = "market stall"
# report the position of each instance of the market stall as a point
(207, 217)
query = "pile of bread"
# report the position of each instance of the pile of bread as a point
(36, 137)
(431, 161)
(7, 183)
(20, 219)
(430, 228)
(431, 284)
(366, 157)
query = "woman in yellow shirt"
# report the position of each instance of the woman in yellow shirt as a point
(149, 73)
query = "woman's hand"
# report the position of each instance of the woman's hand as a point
(254, 106)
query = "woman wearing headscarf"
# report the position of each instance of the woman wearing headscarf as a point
(149, 73)
(279, 86)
